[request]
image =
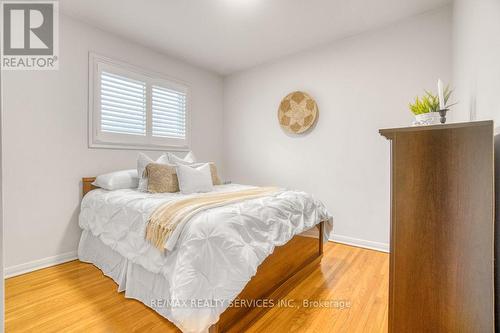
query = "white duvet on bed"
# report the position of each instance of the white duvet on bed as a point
(218, 250)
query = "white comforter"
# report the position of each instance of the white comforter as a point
(218, 250)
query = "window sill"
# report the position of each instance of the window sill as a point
(137, 147)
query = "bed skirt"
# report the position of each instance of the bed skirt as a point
(137, 283)
(152, 289)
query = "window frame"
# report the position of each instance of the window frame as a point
(100, 139)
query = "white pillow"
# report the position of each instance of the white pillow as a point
(188, 159)
(194, 179)
(142, 161)
(117, 180)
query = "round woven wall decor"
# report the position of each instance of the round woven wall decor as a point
(297, 112)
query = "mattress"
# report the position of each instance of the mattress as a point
(217, 253)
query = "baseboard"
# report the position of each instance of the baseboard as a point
(68, 256)
(383, 247)
(39, 264)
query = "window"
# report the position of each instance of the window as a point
(131, 108)
(123, 104)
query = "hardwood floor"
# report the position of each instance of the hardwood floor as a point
(76, 297)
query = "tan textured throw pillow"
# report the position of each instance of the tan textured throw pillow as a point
(162, 178)
(215, 177)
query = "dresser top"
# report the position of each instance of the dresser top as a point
(389, 132)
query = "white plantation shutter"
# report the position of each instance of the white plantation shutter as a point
(132, 108)
(169, 113)
(123, 105)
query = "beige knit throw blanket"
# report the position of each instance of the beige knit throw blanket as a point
(166, 218)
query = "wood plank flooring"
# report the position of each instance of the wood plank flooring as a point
(350, 289)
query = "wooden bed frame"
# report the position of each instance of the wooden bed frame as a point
(278, 274)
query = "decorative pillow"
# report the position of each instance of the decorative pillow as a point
(213, 170)
(188, 159)
(194, 179)
(162, 178)
(215, 176)
(142, 161)
(117, 180)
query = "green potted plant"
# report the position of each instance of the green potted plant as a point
(426, 109)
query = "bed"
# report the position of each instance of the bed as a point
(230, 263)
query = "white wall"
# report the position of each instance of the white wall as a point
(497, 228)
(2, 284)
(361, 84)
(476, 72)
(476, 58)
(45, 147)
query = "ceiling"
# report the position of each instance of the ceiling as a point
(226, 36)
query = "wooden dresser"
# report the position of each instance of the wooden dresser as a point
(442, 228)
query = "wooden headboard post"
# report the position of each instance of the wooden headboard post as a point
(87, 185)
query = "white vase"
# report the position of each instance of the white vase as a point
(430, 118)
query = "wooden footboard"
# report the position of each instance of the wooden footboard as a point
(279, 273)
